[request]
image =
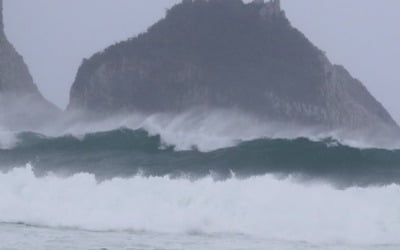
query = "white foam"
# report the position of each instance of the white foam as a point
(205, 130)
(259, 206)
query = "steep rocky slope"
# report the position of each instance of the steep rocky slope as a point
(226, 54)
(21, 104)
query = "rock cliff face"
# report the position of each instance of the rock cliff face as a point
(226, 54)
(20, 100)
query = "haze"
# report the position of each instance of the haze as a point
(55, 35)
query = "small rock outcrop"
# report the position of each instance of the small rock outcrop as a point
(226, 54)
(21, 104)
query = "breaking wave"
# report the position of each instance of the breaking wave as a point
(194, 174)
(126, 152)
(258, 206)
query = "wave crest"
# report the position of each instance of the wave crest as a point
(125, 152)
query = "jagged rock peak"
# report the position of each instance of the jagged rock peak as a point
(267, 9)
(273, 4)
(21, 103)
(226, 54)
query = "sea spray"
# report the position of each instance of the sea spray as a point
(206, 131)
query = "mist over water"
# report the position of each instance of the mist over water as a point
(206, 130)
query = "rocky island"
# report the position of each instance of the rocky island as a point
(21, 103)
(231, 55)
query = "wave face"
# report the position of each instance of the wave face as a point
(127, 152)
(206, 179)
(259, 206)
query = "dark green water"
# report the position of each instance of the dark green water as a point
(124, 153)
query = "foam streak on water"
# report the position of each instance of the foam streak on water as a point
(259, 207)
(65, 239)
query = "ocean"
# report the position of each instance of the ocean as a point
(183, 183)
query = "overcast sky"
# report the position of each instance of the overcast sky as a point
(55, 35)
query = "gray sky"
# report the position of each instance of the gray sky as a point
(55, 35)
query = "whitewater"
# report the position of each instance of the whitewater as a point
(194, 181)
(258, 212)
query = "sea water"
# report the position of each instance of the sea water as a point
(163, 213)
(188, 183)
